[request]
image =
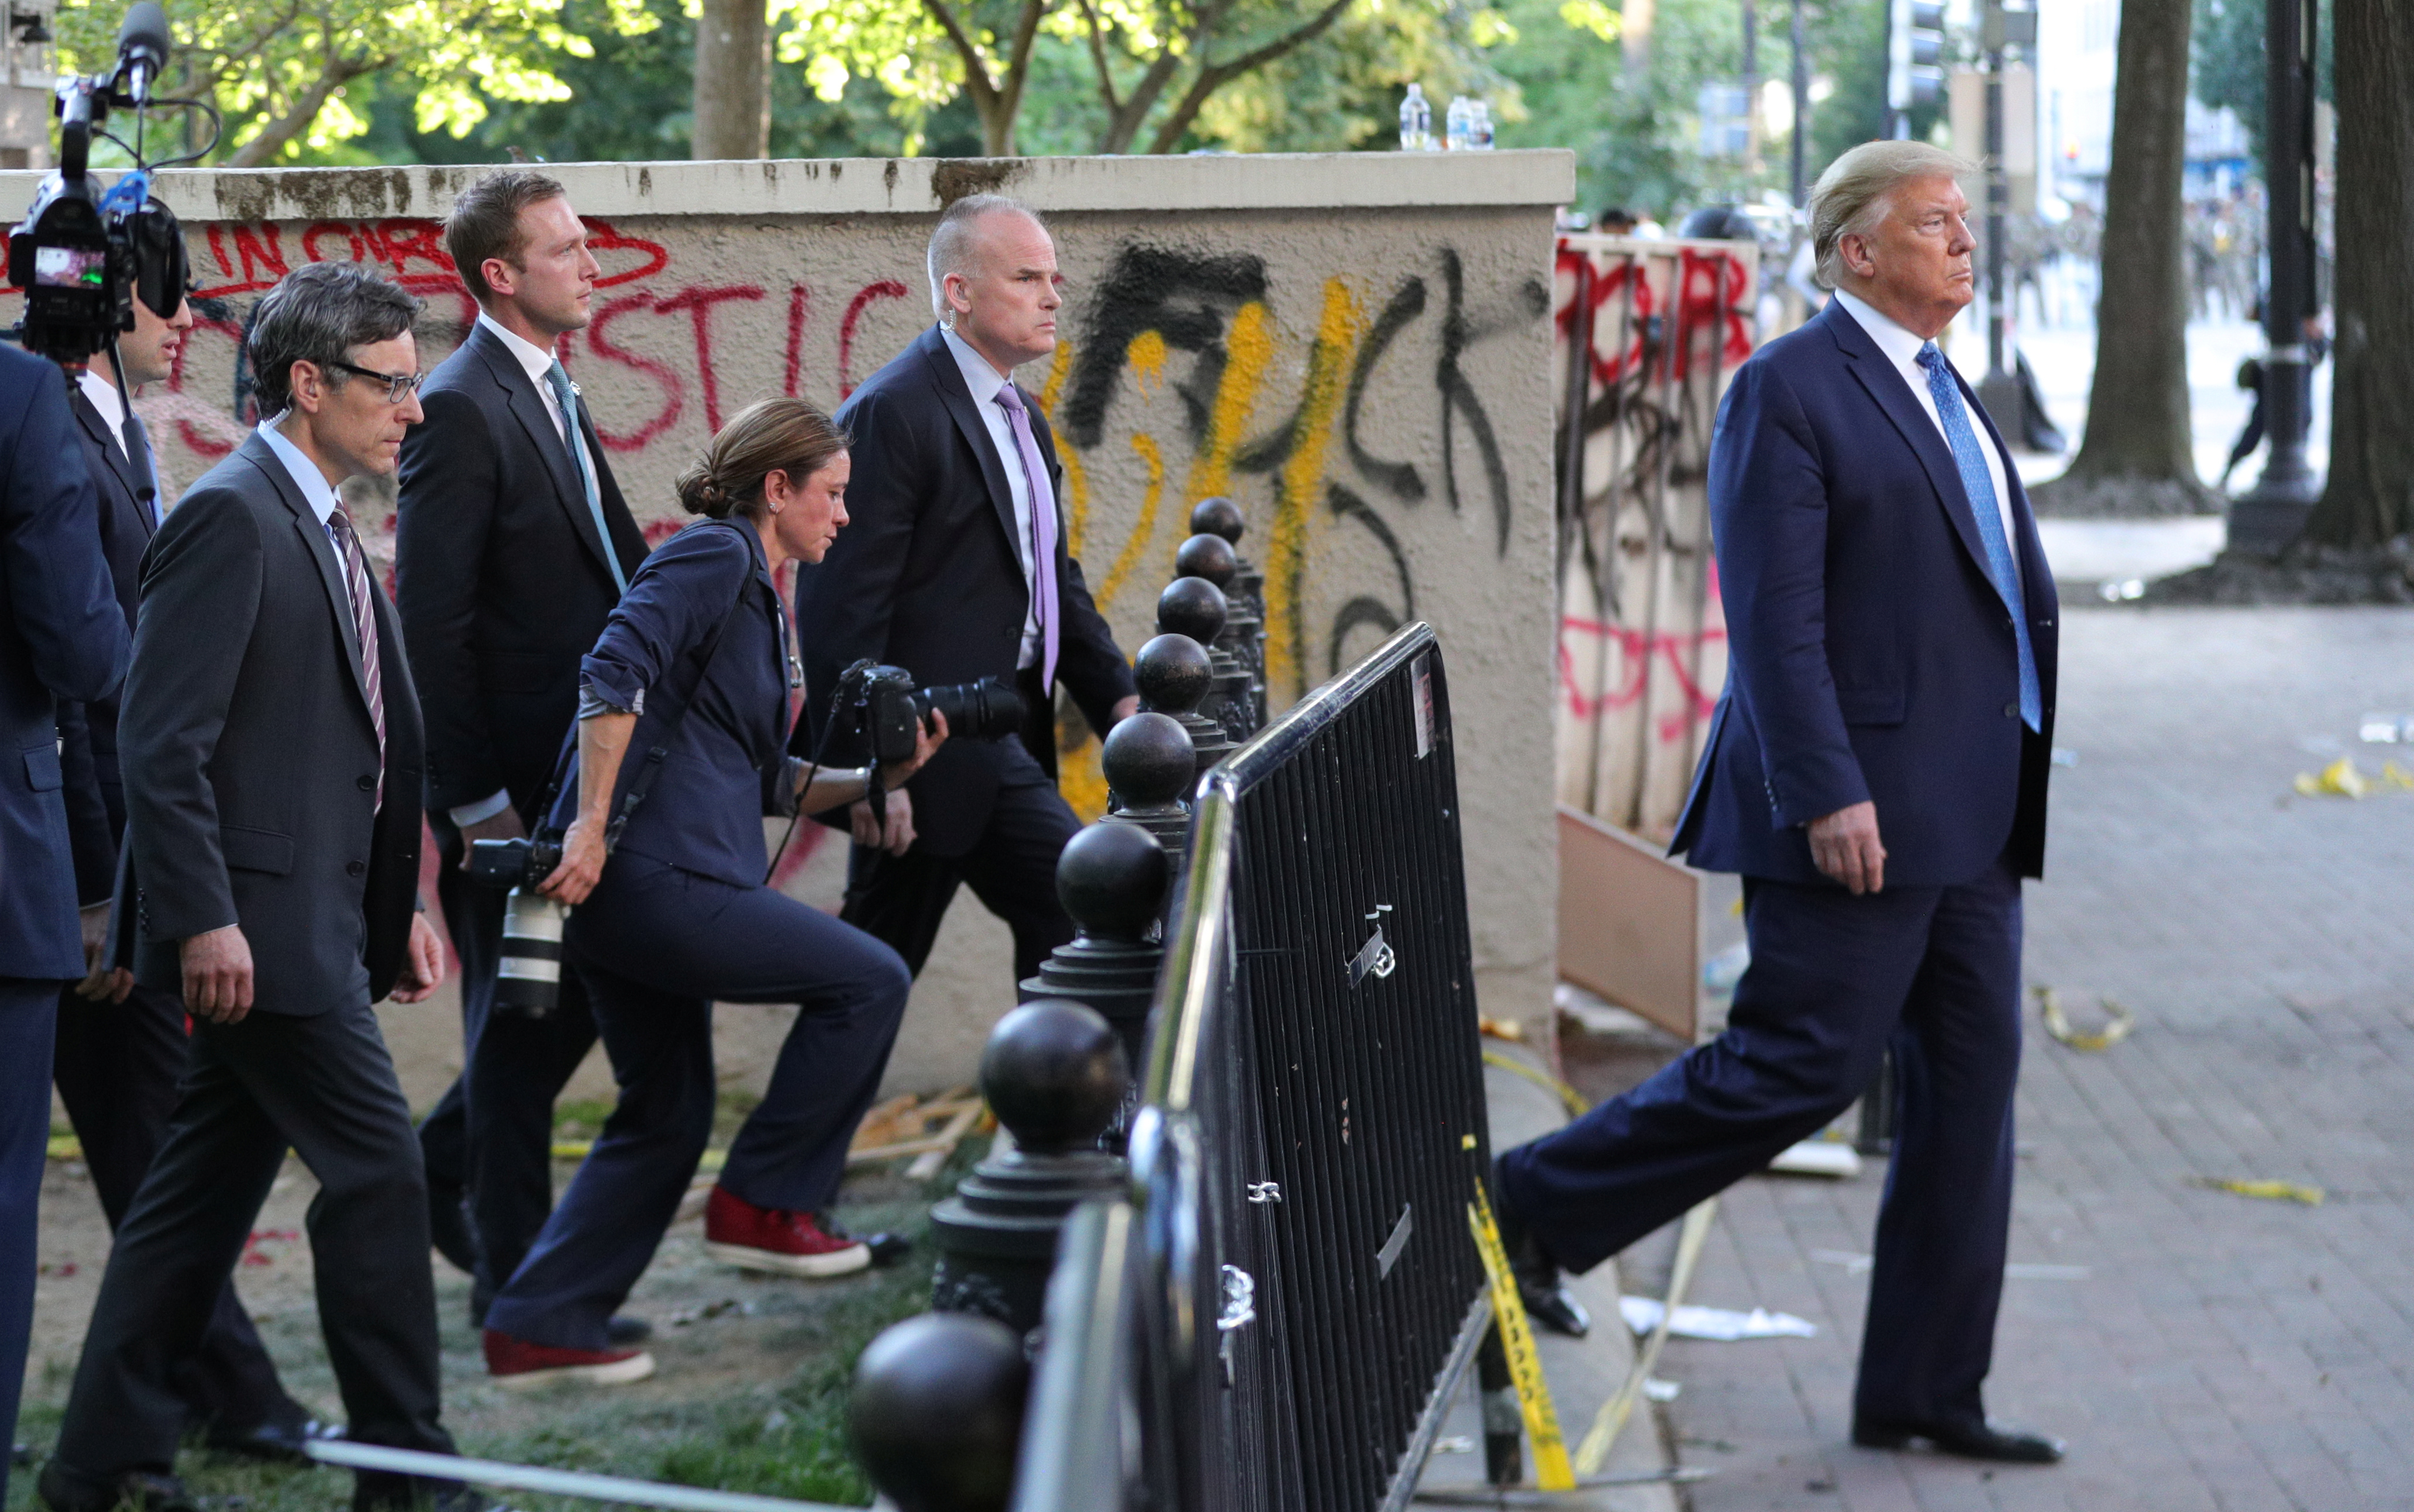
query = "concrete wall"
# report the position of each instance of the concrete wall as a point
(1356, 349)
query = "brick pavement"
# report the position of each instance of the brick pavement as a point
(2220, 1352)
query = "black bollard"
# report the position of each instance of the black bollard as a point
(1112, 879)
(1244, 636)
(936, 1413)
(1194, 607)
(1150, 768)
(1055, 1075)
(1220, 517)
(1174, 674)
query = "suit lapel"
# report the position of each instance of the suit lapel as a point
(527, 407)
(322, 551)
(1885, 382)
(966, 414)
(113, 453)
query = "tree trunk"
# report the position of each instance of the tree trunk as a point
(333, 74)
(2370, 495)
(732, 81)
(2138, 457)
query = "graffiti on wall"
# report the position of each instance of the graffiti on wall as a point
(1647, 335)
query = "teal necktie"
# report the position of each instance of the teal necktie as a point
(1971, 463)
(567, 399)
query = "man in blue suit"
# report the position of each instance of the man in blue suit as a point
(1876, 770)
(62, 636)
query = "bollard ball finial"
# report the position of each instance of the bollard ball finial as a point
(1174, 672)
(1149, 762)
(1055, 1072)
(1209, 556)
(1218, 516)
(1191, 606)
(935, 1413)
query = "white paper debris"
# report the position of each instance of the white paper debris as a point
(1723, 1325)
(1659, 1390)
(1818, 1157)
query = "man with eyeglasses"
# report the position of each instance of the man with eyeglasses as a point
(271, 749)
(512, 547)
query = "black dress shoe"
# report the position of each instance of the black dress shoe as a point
(381, 1492)
(141, 1489)
(624, 1329)
(1538, 1284)
(280, 1443)
(1981, 1439)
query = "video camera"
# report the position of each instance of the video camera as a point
(82, 256)
(878, 710)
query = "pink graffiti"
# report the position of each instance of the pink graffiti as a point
(1637, 650)
(698, 302)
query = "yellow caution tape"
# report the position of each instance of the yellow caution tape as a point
(2117, 1022)
(2270, 1191)
(66, 1148)
(2342, 779)
(1594, 1451)
(1552, 1470)
(1576, 1105)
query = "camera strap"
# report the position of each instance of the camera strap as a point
(642, 781)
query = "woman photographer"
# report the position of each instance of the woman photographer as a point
(681, 736)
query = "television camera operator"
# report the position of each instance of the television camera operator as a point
(512, 545)
(657, 845)
(956, 568)
(121, 1048)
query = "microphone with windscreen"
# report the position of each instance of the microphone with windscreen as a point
(142, 48)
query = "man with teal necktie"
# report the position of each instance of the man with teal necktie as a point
(1876, 771)
(512, 544)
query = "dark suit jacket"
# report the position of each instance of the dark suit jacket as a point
(251, 761)
(61, 636)
(88, 731)
(499, 574)
(926, 577)
(1869, 656)
(726, 766)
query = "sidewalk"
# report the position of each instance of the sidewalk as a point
(2199, 1349)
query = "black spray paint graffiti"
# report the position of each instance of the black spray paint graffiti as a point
(1190, 300)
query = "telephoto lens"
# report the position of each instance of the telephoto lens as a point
(985, 710)
(528, 980)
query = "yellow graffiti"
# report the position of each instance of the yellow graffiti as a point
(1248, 353)
(1076, 483)
(1337, 332)
(1082, 781)
(1144, 527)
(1146, 355)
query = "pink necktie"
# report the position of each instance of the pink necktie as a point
(1043, 530)
(356, 582)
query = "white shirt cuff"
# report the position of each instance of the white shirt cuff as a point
(485, 808)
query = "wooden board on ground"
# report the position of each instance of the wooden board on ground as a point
(1629, 923)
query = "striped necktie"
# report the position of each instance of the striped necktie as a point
(356, 585)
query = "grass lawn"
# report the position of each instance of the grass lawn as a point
(750, 1395)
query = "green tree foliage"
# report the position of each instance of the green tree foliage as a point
(283, 71)
(2228, 62)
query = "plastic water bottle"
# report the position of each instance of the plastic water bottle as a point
(1458, 123)
(1416, 121)
(1479, 126)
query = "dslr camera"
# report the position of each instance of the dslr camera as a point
(878, 711)
(82, 256)
(527, 978)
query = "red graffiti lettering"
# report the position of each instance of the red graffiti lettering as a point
(698, 303)
(674, 394)
(256, 255)
(799, 298)
(405, 242)
(202, 442)
(330, 228)
(602, 238)
(885, 288)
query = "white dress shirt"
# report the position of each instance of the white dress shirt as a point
(103, 396)
(985, 382)
(1901, 348)
(537, 362)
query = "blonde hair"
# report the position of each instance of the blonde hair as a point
(1852, 197)
(770, 436)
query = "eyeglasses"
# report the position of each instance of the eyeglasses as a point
(398, 386)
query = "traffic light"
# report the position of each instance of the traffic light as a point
(1915, 58)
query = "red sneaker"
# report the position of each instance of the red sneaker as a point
(517, 1365)
(738, 1233)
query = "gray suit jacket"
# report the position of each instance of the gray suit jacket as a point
(250, 762)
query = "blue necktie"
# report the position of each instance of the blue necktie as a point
(1971, 463)
(559, 377)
